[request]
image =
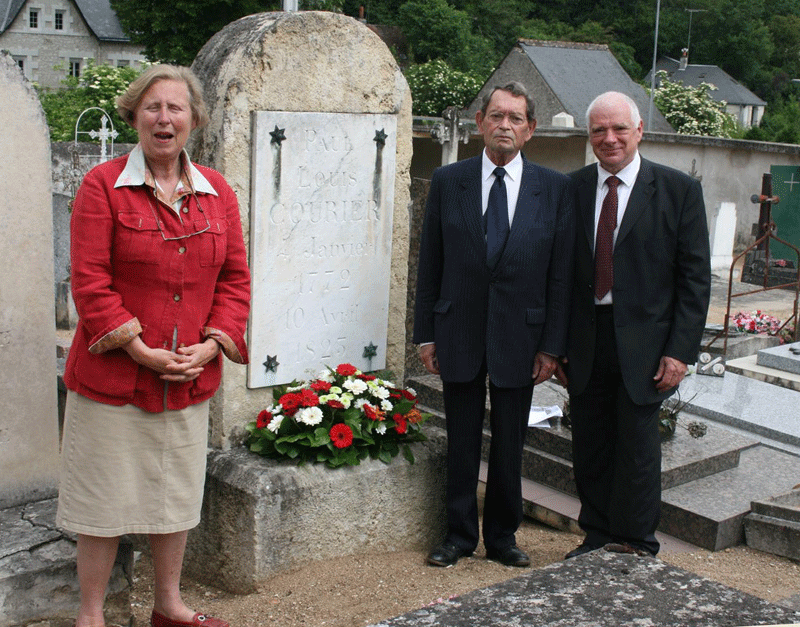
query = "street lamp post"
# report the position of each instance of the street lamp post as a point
(653, 73)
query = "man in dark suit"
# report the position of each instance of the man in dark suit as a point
(493, 297)
(639, 304)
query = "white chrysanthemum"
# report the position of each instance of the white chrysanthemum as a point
(275, 423)
(378, 391)
(309, 415)
(326, 375)
(356, 386)
(381, 428)
(360, 402)
(387, 405)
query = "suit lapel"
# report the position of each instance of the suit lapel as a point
(587, 188)
(471, 208)
(639, 201)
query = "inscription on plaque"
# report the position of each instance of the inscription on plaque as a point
(321, 237)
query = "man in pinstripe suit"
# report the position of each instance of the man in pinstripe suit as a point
(493, 298)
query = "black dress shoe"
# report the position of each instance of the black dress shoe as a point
(582, 549)
(509, 556)
(447, 554)
(624, 547)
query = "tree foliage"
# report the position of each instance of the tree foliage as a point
(98, 86)
(436, 86)
(692, 110)
(174, 32)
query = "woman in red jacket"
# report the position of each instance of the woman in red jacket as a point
(161, 285)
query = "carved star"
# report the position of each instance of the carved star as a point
(271, 364)
(277, 135)
(380, 137)
(370, 351)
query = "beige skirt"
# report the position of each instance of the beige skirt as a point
(124, 470)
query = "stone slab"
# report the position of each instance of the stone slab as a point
(598, 589)
(781, 358)
(745, 403)
(38, 578)
(749, 367)
(263, 516)
(784, 506)
(709, 512)
(320, 242)
(773, 535)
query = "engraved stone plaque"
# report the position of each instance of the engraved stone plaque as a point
(320, 237)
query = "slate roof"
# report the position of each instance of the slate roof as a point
(728, 88)
(98, 14)
(578, 72)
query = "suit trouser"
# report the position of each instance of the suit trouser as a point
(465, 409)
(616, 452)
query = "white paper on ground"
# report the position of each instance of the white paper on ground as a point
(539, 416)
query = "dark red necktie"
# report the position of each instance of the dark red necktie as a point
(604, 245)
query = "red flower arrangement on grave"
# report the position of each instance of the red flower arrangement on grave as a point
(339, 418)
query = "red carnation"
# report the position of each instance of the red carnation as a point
(264, 418)
(341, 435)
(346, 369)
(335, 404)
(371, 412)
(290, 403)
(409, 395)
(366, 377)
(320, 386)
(308, 398)
(401, 424)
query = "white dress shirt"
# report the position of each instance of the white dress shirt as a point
(512, 181)
(627, 176)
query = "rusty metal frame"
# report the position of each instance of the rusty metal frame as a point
(769, 234)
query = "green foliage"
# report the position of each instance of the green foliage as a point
(781, 123)
(436, 30)
(692, 110)
(98, 86)
(174, 32)
(436, 86)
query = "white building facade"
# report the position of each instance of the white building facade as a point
(53, 39)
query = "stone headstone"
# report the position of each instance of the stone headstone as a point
(330, 287)
(28, 398)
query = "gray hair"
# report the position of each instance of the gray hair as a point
(130, 100)
(515, 88)
(611, 96)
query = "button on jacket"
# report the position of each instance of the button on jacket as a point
(127, 280)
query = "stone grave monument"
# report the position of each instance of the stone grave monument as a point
(311, 126)
(38, 581)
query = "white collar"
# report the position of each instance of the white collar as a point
(627, 174)
(513, 168)
(134, 171)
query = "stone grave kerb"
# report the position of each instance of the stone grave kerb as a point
(309, 61)
(28, 392)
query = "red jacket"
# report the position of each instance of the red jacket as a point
(126, 279)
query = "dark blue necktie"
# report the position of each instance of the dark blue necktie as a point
(496, 219)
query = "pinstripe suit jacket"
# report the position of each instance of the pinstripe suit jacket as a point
(507, 314)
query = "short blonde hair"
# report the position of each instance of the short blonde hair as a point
(128, 101)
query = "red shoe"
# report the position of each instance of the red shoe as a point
(199, 620)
